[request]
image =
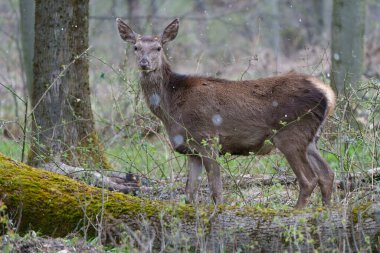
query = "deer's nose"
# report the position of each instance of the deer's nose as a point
(144, 63)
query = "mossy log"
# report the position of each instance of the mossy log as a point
(55, 205)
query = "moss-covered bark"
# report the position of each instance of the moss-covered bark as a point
(56, 205)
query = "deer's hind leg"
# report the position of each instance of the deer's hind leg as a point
(293, 143)
(325, 173)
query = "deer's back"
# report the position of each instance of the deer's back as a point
(244, 113)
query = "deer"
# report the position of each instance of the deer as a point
(205, 117)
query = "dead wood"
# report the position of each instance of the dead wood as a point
(55, 205)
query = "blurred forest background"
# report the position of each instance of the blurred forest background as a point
(227, 39)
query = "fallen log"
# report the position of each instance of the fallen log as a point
(55, 205)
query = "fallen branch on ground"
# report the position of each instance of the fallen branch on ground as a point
(56, 205)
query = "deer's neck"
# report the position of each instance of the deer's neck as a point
(153, 85)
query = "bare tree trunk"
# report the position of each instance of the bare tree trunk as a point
(319, 7)
(202, 22)
(153, 14)
(275, 28)
(63, 123)
(27, 40)
(56, 205)
(133, 11)
(347, 43)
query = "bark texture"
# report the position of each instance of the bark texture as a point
(63, 123)
(27, 40)
(347, 43)
(56, 205)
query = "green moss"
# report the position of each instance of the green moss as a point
(54, 204)
(360, 211)
(255, 211)
(90, 150)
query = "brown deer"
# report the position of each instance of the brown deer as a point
(286, 112)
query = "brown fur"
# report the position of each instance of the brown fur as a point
(241, 116)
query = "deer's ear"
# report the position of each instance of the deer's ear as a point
(126, 33)
(170, 31)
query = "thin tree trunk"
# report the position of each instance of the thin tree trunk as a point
(133, 13)
(275, 28)
(153, 14)
(319, 7)
(63, 123)
(201, 25)
(55, 205)
(347, 43)
(27, 40)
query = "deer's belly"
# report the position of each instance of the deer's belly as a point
(243, 148)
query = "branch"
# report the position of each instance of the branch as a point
(56, 205)
(111, 180)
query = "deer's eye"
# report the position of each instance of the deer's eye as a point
(136, 48)
(159, 49)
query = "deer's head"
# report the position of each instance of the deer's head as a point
(148, 49)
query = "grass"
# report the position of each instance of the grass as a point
(144, 157)
(10, 148)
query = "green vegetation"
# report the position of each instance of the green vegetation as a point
(10, 148)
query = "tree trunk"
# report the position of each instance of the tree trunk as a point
(133, 14)
(153, 16)
(275, 30)
(27, 40)
(56, 205)
(319, 8)
(200, 10)
(347, 43)
(63, 123)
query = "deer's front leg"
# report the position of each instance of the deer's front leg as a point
(192, 184)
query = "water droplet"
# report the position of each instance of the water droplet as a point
(154, 100)
(178, 140)
(217, 119)
(286, 115)
(336, 56)
(62, 29)
(300, 20)
(275, 103)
